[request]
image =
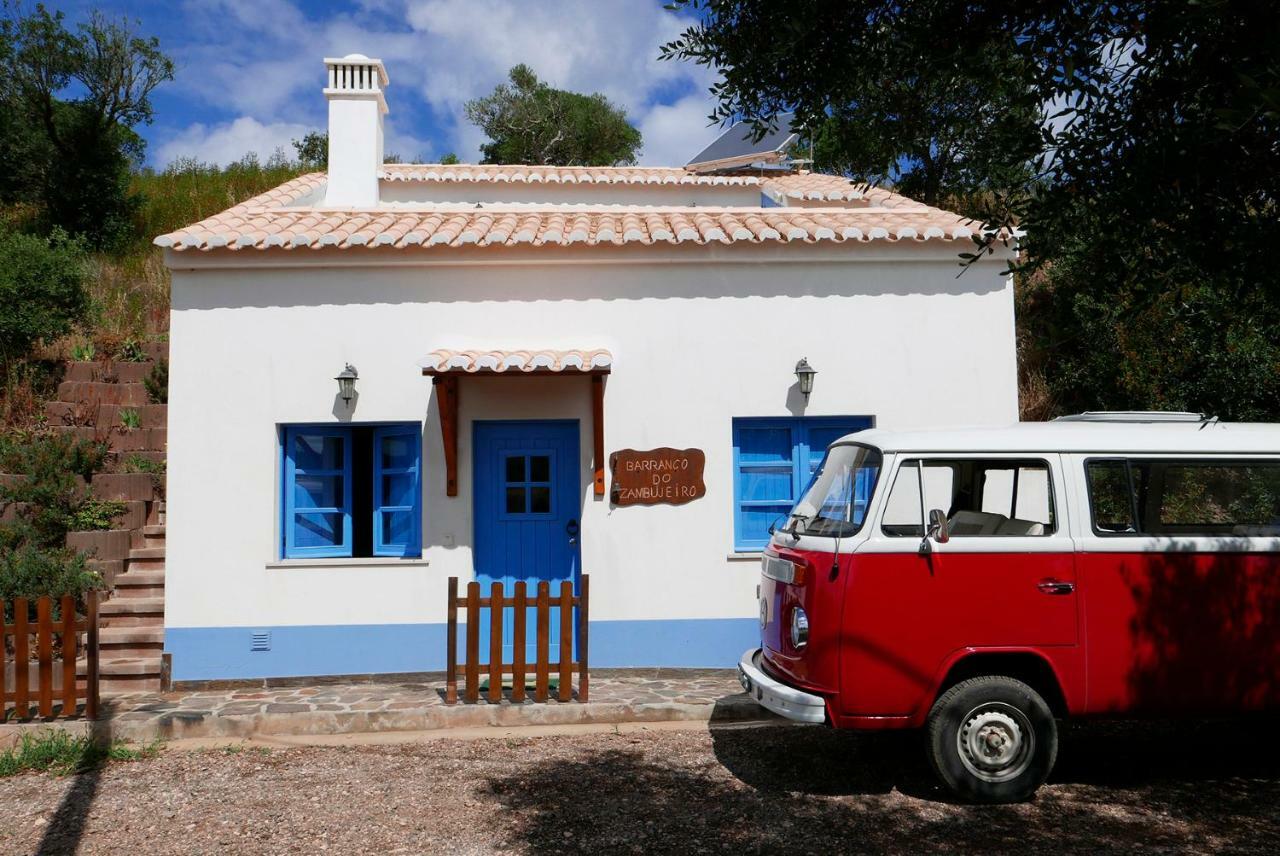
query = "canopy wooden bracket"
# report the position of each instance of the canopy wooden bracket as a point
(447, 400)
(446, 386)
(597, 431)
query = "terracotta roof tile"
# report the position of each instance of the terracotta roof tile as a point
(288, 218)
(444, 360)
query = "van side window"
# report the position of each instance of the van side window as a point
(1110, 497)
(1191, 497)
(997, 498)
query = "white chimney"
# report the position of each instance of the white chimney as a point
(356, 107)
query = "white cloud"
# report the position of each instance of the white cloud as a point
(229, 141)
(674, 133)
(439, 54)
(583, 45)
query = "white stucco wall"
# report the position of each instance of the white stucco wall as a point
(699, 335)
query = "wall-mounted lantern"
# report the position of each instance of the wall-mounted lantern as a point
(347, 383)
(804, 374)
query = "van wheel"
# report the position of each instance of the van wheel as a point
(992, 739)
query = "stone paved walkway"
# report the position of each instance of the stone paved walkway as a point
(409, 706)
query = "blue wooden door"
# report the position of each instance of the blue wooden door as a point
(528, 505)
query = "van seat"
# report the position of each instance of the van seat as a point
(975, 523)
(1015, 527)
(1256, 531)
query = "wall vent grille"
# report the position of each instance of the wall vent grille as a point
(260, 641)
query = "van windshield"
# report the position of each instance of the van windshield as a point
(835, 504)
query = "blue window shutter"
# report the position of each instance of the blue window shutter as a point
(317, 492)
(764, 470)
(397, 490)
(774, 460)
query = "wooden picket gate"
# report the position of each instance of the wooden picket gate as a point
(543, 605)
(17, 692)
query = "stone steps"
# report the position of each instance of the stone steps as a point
(148, 584)
(94, 401)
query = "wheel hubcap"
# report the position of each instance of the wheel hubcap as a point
(995, 741)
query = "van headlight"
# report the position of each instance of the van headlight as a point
(799, 628)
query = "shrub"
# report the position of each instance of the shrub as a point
(157, 383)
(52, 468)
(31, 571)
(129, 418)
(42, 287)
(131, 351)
(95, 514)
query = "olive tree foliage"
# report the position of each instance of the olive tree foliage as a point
(528, 121)
(313, 150)
(70, 100)
(1147, 187)
(42, 292)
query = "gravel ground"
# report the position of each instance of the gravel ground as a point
(1203, 787)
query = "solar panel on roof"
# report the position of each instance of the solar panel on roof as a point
(736, 146)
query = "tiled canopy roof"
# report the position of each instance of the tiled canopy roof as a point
(285, 217)
(443, 361)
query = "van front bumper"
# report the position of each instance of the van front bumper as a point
(776, 696)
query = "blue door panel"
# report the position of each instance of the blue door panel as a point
(527, 493)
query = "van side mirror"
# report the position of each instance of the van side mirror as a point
(939, 526)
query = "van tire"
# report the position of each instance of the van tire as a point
(992, 739)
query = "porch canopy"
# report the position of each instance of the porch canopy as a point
(445, 368)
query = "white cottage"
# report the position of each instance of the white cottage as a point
(501, 331)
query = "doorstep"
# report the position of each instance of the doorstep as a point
(369, 707)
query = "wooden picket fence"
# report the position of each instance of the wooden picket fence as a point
(519, 668)
(17, 693)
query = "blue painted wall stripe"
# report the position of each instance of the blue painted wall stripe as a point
(223, 653)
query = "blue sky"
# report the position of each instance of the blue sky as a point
(250, 72)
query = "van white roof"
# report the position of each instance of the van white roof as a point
(1082, 436)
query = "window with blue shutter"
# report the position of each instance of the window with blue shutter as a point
(317, 492)
(352, 491)
(396, 488)
(774, 458)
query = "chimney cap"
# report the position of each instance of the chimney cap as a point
(360, 59)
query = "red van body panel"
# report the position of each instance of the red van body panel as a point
(886, 630)
(1172, 632)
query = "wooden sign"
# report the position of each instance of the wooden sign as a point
(657, 476)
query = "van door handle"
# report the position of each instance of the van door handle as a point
(1056, 587)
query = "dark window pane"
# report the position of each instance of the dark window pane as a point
(515, 500)
(1215, 499)
(317, 530)
(540, 468)
(1109, 498)
(515, 468)
(540, 500)
(398, 452)
(315, 452)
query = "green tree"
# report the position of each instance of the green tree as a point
(313, 150)
(1149, 201)
(528, 121)
(73, 99)
(449, 158)
(42, 290)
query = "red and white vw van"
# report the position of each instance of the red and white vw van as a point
(984, 583)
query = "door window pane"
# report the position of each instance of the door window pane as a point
(515, 468)
(540, 500)
(515, 500)
(539, 468)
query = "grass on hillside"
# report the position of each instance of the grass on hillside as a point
(56, 751)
